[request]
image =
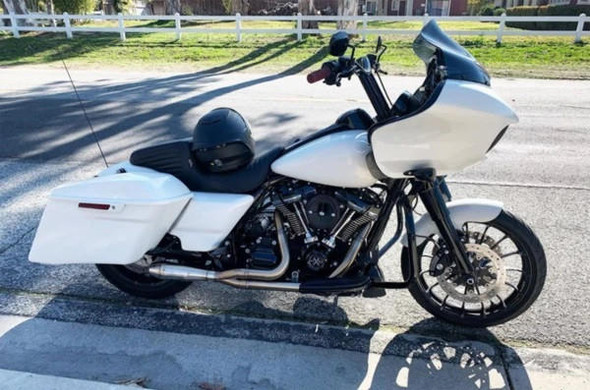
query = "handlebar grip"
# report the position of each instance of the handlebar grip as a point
(318, 75)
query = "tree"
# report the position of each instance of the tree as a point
(50, 7)
(172, 7)
(16, 6)
(347, 8)
(306, 7)
(74, 7)
(233, 7)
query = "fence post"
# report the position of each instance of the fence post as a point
(177, 26)
(121, 26)
(299, 27)
(15, 32)
(239, 27)
(365, 18)
(68, 25)
(580, 28)
(501, 27)
(425, 19)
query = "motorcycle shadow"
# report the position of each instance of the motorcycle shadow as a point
(414, 359)
(347, 357)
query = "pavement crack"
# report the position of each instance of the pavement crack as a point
(501, 350)
(576, 107)
(521, 185)
(15, 243)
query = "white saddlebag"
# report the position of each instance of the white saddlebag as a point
(112, 219)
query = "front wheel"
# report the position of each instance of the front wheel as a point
(134, 279)
(509, 273)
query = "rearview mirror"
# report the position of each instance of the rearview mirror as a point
(379, 44)
(339, 43)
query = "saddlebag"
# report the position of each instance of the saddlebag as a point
(112, 219)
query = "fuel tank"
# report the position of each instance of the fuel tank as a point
(338, 159)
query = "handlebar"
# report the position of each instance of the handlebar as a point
(344, 67)
(318, 75)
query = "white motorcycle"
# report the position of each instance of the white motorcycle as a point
(311, 216)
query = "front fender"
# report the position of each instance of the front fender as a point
(461, 211)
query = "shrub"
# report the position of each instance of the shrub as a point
(566, 10)
(487, 10)
(522, 11)
(548, 10)
(186, 10)
(122, 6)
(476, 6)
(74, 6)
(499, 11)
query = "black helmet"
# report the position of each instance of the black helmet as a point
(222, 141)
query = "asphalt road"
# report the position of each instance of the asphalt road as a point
(539, 170)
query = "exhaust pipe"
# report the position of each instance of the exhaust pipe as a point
(352, 252)
(259, 285)
(171, 271)
(323, 287)
(262, 279)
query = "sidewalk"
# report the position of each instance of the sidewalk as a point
(163, 360)
(17, 380)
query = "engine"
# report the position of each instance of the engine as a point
(321, 223)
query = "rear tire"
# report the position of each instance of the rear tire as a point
(140, 284)
(534, 269)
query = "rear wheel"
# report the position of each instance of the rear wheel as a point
(135, 280)
(509, 273)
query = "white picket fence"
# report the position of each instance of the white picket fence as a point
(49, 24)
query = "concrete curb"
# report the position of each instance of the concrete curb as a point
(166, 360)
(18, 380)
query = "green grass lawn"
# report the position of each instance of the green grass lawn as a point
(553, 57)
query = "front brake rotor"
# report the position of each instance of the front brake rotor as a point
(490, 276)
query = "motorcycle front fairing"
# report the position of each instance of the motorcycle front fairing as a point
(459, 64)
(456, 124)
(456, 131)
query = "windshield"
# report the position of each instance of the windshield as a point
(460, 65)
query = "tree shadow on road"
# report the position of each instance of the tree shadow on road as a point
(65, 131)
(40, 128)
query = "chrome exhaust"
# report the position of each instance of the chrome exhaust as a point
(171, 271)
(259, 285)
(352, 253)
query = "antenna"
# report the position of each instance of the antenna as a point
(85, 114)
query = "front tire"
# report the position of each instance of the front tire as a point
(139, 284)
(505, 287)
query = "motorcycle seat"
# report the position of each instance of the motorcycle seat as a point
(176, 158)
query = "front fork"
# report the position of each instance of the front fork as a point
(434, 193)
(431, 191)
